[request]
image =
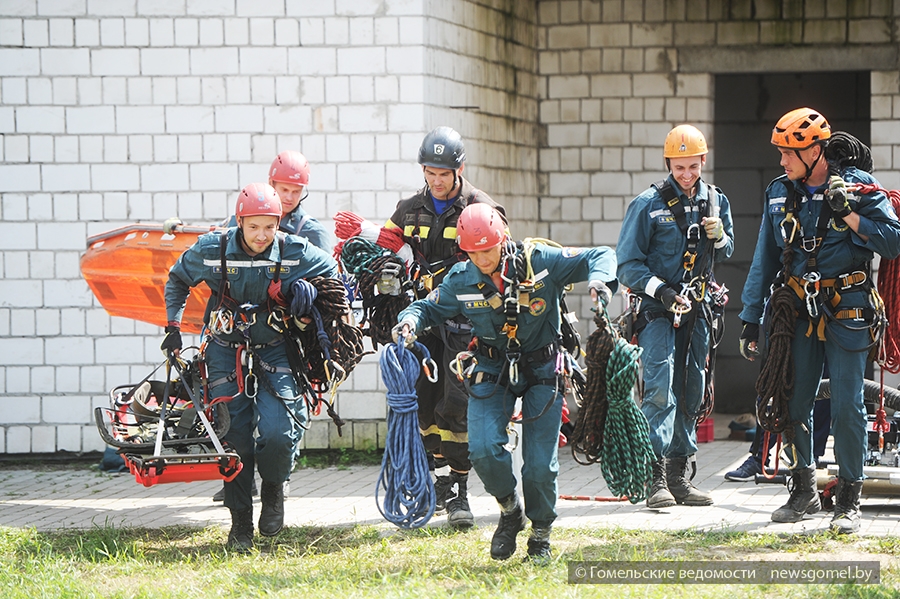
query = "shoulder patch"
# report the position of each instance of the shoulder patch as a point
(571, 252)
(434, 296)
(537, 306)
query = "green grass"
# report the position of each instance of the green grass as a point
(367, 561)
(341, 458)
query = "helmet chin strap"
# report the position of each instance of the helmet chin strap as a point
(810, 167)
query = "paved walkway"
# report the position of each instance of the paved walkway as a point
(83, 498)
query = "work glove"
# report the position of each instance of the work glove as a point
(750, 333)
(172, 341)
(604, 295)
(171, 224)
(836, 194)
(714, 228)
(409, 338)
(668, 297)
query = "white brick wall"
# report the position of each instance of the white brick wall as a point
(113, 112)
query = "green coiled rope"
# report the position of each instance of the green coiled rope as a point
(626, 454)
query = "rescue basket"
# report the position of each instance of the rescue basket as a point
(127, 269)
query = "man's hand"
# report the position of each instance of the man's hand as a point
(600, 292)
(172, 341)
(750, 341)
(670, 299)
(836, 195)
(714, 228)
(407, 330)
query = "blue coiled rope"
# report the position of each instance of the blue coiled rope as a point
(303, 303)
(409, 498)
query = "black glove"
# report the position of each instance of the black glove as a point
(836, 194)
(172, 341)
(666, 295)
(749, 333)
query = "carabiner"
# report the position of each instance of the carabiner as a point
(429, 366)
(812, 279)
(795, 228)
(514, 371)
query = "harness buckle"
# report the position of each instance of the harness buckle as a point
(809, 244)
(688, 261)
(693, 233)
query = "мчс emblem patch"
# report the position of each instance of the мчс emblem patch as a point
(537, 306)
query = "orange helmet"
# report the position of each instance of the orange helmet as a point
(258, 199)
(800, 129)
(479, 228)
(290, 167)
(684, 140)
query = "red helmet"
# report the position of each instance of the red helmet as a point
(479, 228)
(258, 199)
(290, 167)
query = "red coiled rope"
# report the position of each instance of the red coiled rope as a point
(889, 290)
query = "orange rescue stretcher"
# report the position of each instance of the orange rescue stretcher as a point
(127, 269)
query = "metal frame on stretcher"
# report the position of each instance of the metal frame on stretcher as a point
(147, 461)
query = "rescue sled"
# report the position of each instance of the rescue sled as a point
(164, 430)
(127, 269)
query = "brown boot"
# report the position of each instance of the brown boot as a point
(680, 486)
(659, 496)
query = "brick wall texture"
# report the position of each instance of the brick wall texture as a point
(120, 111)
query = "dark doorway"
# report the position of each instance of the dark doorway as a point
(746, 108)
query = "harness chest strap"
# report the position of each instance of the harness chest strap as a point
(676, 208)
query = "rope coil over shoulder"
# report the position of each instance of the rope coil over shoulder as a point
(409, 498)
(610, 428)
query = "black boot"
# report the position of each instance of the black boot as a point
(442, 486)
(680, 486)
(458, 513)
(240, 537)
(512, 520)
(846, 506)
(659, 496)
(804, 497)
(539, 543)
(271, 517)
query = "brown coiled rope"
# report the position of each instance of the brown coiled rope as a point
(587, 439)
(346, 338)
(775, 384)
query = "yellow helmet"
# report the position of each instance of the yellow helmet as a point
(684, 140)
(800, 129)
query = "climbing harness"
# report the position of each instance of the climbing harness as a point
(519, 282)
(320, 356)
(706, 298)
(409, 497)
(164, 430)
(821, 297)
